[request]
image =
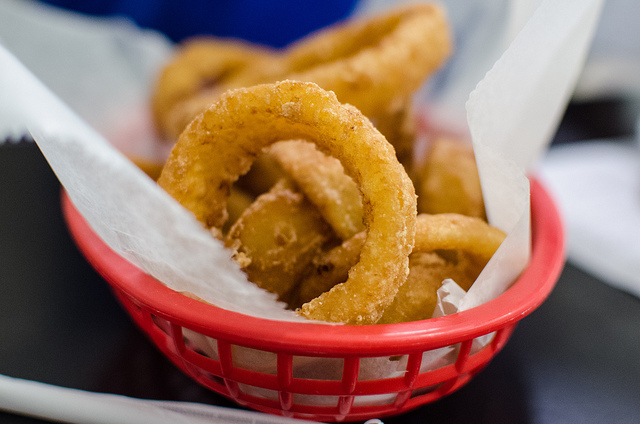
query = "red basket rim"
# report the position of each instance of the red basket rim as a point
(524, 296)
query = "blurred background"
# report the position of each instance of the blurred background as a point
(575, 359)
(275, 23)
(612, 71)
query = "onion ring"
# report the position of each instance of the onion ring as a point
(237, 202)
(375, 63)
(276, 237)
(450, 231)
(328, 269)
(417, 298)
(214, 150)
(448, 180)
(203, 66)
(399, 128)
(471, 240)
(322, 179)
(265, 172)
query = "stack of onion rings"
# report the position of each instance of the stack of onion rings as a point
(298, 161)
(201, 68)
(448, 179)
(374, 63)
(290, 110)
(334, 194)
(449, 232)
(276, 236)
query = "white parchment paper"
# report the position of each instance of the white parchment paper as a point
(80, 87)
(511, 115)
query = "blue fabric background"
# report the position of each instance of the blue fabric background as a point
(274, 23)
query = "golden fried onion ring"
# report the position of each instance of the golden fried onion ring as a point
(472, 237)
(451, 231)
(322, 179)
(448, 180)
(418, 296)
(275, 238)
(204, 67)
(377, 62)
(215, 149)
(328, 269)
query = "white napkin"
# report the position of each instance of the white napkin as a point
(597, 185)
(81, 407)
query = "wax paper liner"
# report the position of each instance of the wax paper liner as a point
(511, 115)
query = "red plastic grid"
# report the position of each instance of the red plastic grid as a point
(163, 314)
(412, 389)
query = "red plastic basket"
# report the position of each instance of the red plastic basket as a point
(270, 381)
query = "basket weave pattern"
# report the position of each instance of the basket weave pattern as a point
(208, 343)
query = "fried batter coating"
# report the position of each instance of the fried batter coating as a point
(322, 179)
(462, 246)
(447, 246)
(448, 180)
(377, 63)
(276, 237)
(450, 231)
(203, 68)
(222, 142)
(417, 297)
(400, 128)
(374, 63)
(264, 173)
(328, 269)
(237, 203)
(150, 167)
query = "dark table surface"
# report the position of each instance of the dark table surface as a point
(575, 359)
